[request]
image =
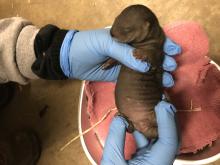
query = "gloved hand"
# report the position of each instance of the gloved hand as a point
(159, 152)
(88, 50)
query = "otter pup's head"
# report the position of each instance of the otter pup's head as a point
(134, 24)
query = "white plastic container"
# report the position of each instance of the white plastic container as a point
(207, 156)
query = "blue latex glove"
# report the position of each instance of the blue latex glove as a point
(84, 52)
(160, 152)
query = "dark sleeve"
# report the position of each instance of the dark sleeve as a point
(47, 47)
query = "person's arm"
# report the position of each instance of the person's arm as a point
(88, 50)
(16, 42)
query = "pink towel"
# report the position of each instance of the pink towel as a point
(197, 88)
(100, 96)
(196, 93)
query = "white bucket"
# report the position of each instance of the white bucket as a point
(213, 153)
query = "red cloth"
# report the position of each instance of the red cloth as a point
(201, 128)
(197, 87)
(100, 97)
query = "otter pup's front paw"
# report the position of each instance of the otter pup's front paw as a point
(109, 64)
(140, 54)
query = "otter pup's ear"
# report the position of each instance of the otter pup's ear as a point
(146, 26)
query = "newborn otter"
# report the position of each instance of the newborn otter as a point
(138, 93)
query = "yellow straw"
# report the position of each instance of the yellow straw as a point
(89, 129)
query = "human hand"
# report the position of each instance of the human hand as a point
(90, 49)
(159, 152)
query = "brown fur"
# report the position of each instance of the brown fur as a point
(137, 93)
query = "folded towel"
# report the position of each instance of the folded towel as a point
(196, 93)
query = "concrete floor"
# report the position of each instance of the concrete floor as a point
(59, 123)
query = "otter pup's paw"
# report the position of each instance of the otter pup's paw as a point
(140, 54)
(109, 64)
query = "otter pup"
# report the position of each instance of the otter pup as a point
(138, 93)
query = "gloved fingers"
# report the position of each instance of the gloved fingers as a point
(169, 63)
(165, 113)
(117, 133)
(162, 153)
(166, 146)
(164, 108)
(136, 64)
(114, 144)
(167, 80)
(171, 48)
(141, 140)
(142, 157)
(124, 54)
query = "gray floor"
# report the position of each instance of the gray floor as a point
(59, 123)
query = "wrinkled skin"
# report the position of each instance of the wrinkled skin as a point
(137, 93)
